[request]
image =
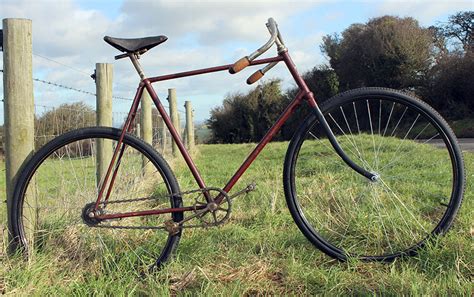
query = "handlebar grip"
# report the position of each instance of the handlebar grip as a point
(255, 76)
(239, 65)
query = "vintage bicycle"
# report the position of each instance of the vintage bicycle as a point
(372, 174)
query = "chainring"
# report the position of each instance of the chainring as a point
(211, 213)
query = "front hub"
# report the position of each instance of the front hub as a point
(375, 177)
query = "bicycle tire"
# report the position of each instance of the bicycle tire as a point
(345, 229)
(75, 150)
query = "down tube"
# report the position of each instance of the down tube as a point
(266, 139)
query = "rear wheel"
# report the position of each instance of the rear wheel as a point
(59, 184)
(412, 151)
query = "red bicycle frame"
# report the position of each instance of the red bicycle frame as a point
(146, 83)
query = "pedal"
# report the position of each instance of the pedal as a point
(251, 187)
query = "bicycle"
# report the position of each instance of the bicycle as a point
(392, 178)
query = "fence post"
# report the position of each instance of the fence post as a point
(18, 102)
(146, 128)
(164, 135)
(138, 130)
(103, 82)
(178, 127)
(189, 125)
(174, 117)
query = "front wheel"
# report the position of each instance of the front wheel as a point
(419, 171)
(60, 183)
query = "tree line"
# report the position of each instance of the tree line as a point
(435, 63)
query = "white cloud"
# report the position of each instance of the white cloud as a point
(424, 11)
(60, 28)
(201, 34)
(213, 22)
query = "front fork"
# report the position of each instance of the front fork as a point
(332, 139)
(308, 95)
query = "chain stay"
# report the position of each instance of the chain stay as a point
(249, 188)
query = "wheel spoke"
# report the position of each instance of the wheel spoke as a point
(64, 181)
(403, 206)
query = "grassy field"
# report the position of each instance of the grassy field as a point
(260, 251)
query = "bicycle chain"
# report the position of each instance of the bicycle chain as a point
(169, 196)
(152, 198)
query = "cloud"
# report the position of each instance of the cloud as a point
(213, 22)
(427, 12)
(201, 34)
(60, 28)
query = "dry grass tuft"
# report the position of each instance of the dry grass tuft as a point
(2, 286)
(259, 274)
(3, 240)
(178, 284)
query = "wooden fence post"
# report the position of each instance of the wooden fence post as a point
(103, 82)
(189, 125)
(174, 117)
(138, 130)
(146, 128)
(163, 133)
(18, 102)
(178, 127)
(146, 118)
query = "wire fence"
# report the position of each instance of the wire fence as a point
(62, 105)
(52, 121)
(64, 100)
(76, 107)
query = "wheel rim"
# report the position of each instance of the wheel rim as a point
(65, 181)
(413, 159)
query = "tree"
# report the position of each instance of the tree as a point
(246, 117)
(387, 51)
(450, 86)
(62, 119)
(323, 82)
(459, 27)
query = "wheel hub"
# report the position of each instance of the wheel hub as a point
(89, 215)
(375, 177)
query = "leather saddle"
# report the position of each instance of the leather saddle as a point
(135, 45)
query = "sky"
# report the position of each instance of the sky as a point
(68, 41)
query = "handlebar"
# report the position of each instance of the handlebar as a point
(239, 65)
(245, 61)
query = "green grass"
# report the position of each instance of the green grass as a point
(260, 251)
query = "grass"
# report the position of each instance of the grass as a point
(260, 251)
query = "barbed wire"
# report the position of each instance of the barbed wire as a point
(72, 88)
(63, 86)
(70, 67)
(83, 91)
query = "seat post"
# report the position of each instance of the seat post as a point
(134, 58)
